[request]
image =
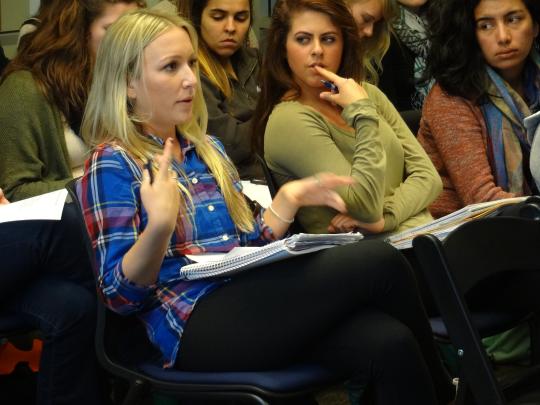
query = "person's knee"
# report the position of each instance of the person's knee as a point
(397, 352)
(78, 313)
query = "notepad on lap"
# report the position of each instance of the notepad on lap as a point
(243, 258)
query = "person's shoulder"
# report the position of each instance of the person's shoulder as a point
(375, 93)
(251, 53)
(290, 107)
(440, 99)
(21, 80)
(20, 92)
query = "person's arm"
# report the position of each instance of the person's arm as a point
(317, 190)
(232, 128)
(129, 251)
(421, 184)
(33, 155)
(453, 130)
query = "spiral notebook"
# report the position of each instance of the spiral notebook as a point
(244, 258)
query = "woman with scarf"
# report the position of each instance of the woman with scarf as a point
(486, 66)
(403, 77)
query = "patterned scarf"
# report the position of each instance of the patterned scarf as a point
(411, 31)
(504, 113)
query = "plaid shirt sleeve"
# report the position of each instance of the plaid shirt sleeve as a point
(109, 195)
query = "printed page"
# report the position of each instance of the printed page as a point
(257, 192)
(46, 206)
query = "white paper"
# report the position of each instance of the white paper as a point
(46, 206)
(257, 192)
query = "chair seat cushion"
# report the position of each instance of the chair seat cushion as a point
(294, 378)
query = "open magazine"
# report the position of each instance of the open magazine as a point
(443, 226)
(243, 258)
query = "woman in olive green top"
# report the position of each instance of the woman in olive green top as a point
(352, 129)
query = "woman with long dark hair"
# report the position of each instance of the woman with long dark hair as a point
(43, 93)
(353, 129)
(488, 80)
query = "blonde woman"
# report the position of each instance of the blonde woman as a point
(358, 320)
(374, 21)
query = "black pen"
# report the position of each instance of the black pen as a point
(148, 166)
(331, 86)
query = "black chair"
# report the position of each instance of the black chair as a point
(144, 375)
(470, 255)
(270, 182)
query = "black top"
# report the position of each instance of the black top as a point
(397, 78)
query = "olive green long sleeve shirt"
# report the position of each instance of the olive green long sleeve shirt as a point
(394, 176)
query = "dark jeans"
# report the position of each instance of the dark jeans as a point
(354, 308)
(46, 278)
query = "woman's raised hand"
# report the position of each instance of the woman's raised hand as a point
(315, 190)
(349, 91)
(161, 198)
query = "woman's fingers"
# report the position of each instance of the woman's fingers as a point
(328, 74)
(164, 160)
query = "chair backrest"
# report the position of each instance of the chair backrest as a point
(472, 253)
(271, 183)
(481, 249)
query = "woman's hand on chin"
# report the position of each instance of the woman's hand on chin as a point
(348, 91)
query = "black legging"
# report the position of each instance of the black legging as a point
(353, 308)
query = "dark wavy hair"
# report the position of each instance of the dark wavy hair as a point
(276, 76)
(455, 59)
(58, 56)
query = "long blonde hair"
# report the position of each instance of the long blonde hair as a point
(109, 118)
(375, 48)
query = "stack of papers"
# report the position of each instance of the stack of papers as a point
(441, 227)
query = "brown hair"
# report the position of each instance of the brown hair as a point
(58, 56)
(276, 76)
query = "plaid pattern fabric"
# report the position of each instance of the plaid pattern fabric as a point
(109, 193)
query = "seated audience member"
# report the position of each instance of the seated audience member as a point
(146, 102)
(353, 130)
(229, 74)
(373, 19)
(404, 79)
(43, 92)
(46, 279)
(487, 73)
